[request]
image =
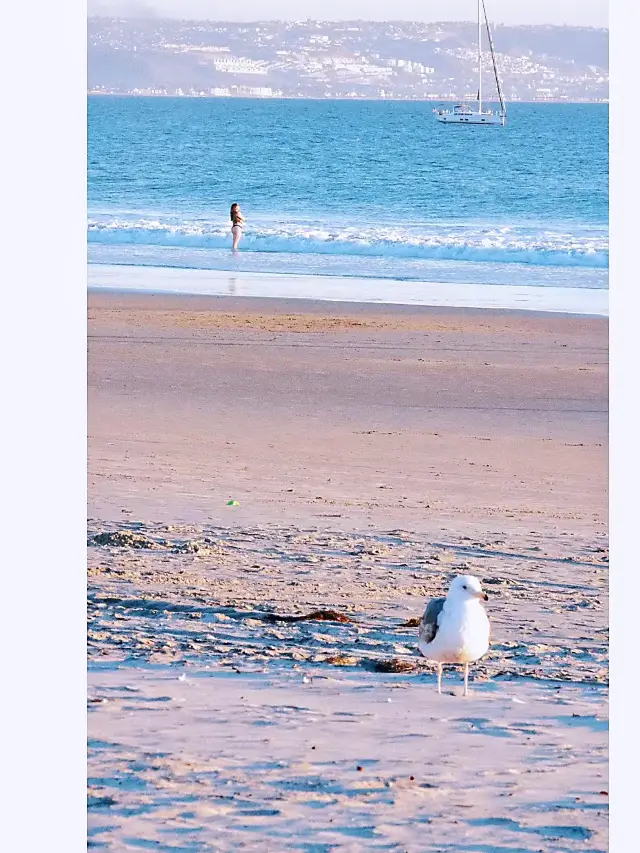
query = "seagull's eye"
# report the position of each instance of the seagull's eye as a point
(464, 587)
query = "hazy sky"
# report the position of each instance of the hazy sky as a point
(588, 13)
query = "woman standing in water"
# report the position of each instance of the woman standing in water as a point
(237, 221)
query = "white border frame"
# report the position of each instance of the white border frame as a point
(44, 424)
(624, 301)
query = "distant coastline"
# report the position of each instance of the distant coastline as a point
(92, 94)
(344, 60)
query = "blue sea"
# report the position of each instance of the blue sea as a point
(373, 190)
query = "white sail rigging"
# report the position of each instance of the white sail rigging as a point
(463, 113)
(503, 106)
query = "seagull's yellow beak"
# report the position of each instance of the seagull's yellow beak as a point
(481, 595)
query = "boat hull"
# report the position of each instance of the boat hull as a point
(472, 118)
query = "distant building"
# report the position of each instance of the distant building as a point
(234, 65)
(256, 92)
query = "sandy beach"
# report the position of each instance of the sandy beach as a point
(276, 487)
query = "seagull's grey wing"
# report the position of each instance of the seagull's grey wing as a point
(429, 622)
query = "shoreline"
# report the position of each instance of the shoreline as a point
(90, 94)
(337, 289)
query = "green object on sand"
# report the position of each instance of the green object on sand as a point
(233, 503)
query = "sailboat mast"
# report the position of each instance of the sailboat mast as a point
(479, 61)
(503, 106)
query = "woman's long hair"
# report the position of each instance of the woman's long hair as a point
(235, 210)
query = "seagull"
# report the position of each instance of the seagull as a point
(456, 629)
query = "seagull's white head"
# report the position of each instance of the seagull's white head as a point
(466, 587)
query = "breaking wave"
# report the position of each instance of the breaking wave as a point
(532, 245)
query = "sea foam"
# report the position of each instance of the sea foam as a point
(535, 245)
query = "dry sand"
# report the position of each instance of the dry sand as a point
(374, 452)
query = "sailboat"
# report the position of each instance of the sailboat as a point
(463, 113)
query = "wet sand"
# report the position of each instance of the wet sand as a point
(374, 452)
(525, 295)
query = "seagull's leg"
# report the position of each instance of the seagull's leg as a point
(466, 679)
(439, 678)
